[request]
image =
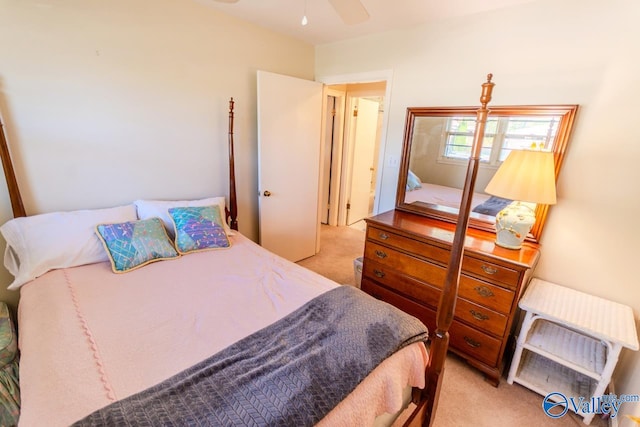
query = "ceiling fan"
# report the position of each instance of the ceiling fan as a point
(350, 11)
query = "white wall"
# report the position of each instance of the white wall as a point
(546, 52)
(107, 102)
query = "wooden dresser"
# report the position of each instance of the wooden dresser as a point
(405, 263)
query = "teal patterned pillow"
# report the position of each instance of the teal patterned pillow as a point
(199, 228)
(133, 244)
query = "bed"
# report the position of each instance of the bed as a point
(450, 197)
(441, 195)
(121, 334)
(209, 329)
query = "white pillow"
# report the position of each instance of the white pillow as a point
(413, 182)
(39, 243)
(160, 209)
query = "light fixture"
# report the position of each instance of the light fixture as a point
(527, 177)
(305, 21)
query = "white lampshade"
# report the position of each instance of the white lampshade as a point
(524, 176)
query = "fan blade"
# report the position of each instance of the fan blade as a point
(351, 11)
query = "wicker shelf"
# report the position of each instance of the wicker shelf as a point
(569, 342)
(541, 374)
(582, 353)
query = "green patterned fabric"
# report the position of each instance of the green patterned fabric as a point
(132, 244)
(8, 343)
(199, 228)
(9, 382)
(9, 394)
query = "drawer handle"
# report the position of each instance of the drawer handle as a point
(381, 254)
(383, 236)
(378, 273)
(478, 316)
(483, 291)
(488, 269)
(471, 342)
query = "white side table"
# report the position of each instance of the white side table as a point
(569, 341)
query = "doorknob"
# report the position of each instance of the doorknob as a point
(267, 193)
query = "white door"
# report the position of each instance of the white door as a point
(289, 128)
(362, 172)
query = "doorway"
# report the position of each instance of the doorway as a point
(353, 117)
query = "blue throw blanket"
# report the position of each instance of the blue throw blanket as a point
(492, 206)
(291, 373)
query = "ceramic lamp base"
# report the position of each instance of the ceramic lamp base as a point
(513, 224)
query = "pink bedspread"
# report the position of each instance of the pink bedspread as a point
(88, 336)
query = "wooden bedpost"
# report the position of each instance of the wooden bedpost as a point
(427, 399)
(10, 176)
(233, 203)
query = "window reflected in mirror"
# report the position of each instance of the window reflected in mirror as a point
(502, 134)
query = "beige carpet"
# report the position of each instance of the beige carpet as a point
(466, 399)
(339, 246)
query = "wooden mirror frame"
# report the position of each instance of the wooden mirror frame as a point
(567, 115)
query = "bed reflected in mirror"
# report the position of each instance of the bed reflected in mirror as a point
(437, 146)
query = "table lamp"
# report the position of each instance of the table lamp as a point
(527, 177)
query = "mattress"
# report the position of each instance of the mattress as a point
(89, 337)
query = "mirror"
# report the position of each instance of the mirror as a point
(436, 149)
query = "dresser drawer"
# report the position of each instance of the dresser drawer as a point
(426, 315)
(481, 317)
(474, 343)
(426, 294)
(489, 271)
(462, 337)
(480, 292)
(410, 287)
(407, 264)
(435, 253)
(486, 294)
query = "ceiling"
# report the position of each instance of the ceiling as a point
(325, 26)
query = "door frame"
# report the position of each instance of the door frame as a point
(336, 156)
(365, 77)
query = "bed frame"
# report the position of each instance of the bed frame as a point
(425, 400)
